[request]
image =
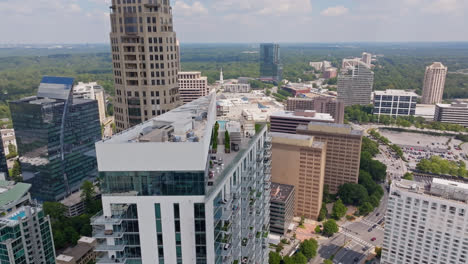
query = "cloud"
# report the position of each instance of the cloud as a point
(335, 11)
(184, 9)
(445, 7)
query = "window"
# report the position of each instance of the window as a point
(177, 233)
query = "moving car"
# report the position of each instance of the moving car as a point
(373, 239)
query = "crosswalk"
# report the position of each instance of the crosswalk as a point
(369, 223)
(356, 239)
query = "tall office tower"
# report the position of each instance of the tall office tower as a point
(366, 58)
(270, 62)
(192, 86)
(92, 91)
(343, 151)
(55, 134)
(434, 83)
(26, 232)
(287, 122)
(320, 104)
(3, 163)
(221, 77)
(299, 160)
(455, 113)
(281, 207)
(178, 200)
(355, 86)
(145, 56)
(426, 223)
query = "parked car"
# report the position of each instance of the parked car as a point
(373, 239)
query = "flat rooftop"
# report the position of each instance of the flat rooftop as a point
(304, 115)
(453, 105)
(395, 92)
(344, 129)
(441, 188)
(296, 140)
(280, 192)
(11, 192)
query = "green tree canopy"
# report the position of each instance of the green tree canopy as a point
(274, 258)
(353, 194)
(365, 208)
(339, 210)
(330, 227)
(323, 213)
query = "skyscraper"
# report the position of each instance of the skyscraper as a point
(426, 223)
(355, 86)
(3, 163)
(145, 56)
(55, 134)
(367, 58)
(26, 232)
(181, 198)
(434, 83)
(321, 104)
(270, 62)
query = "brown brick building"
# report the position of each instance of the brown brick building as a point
(320, 104)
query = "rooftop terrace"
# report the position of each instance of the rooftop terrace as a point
(444, 189)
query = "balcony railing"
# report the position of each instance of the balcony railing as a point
(100, 219)
(107, 260)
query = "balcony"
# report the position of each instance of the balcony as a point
(101, 234)
(100, 219)
(105, 247)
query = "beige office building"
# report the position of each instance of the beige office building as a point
(434, 83)
(299, 160)
(145, 57)
(321, 104)
(92, 91)
(192, 86)
(343, 151)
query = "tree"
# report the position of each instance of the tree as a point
(408, 176)
(55, 210)
(12, 152)
(326, 194)
(279, 247)
(274, 258)
(374, 200)
(351, 193)
(330, 227)
(339, 210)
(301, 223)
(378, 252)
(323, 213)
(365, 208)
(227, 141)
(318, 230)
(309, 248)
(288, 260)
(327, 261)
(15, 172)
(299, 258)
(268, 92)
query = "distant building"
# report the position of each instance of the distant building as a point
(455, 113)
(4, 174)
(355, 86)
(8, 138)
(434, 83)
(82, 253)
(320, 104)
(395, 103)
(366, 58)
(288, 121)
(299, 160)
(330, 73)
(92, 91)
(245, 80)
(75, 204)
(425, 111)
(281, 207)
(26, 234)
(320, 65)
(426, 223)
(270, 62)
(350, 63)
(237, 88)
(343, 151)
(55, 134)
(296, 88)
(192, 86)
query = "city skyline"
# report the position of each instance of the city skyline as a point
(314, 21)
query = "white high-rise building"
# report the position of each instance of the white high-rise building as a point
(355, 86)
(434, 83)
(366, 58)
(178, 199)
(395, 103)
(426, 224)
(92, 91)
(221, 77)
(192, 86)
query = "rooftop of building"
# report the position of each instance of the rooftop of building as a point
(11, 191)
(13, 217)
(343, 129)
(187, 123)
(441, 188)
(280, 192)
(76, 252)
(437, 65)
(255, 102)
(298, 86)
(454, 105)
(305, 115)
(296, 140)
(395, 92)
(47, 101)
(75, 197)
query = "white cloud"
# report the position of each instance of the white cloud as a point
(184, 9)
(335, 11)
(445, 7)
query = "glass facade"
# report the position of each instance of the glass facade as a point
(178, 237)
(270, 66)
(154, 183)
(56, 158)
(200, 233)
(3, 163)
(157, 213)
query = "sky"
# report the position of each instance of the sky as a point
(246, 21)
